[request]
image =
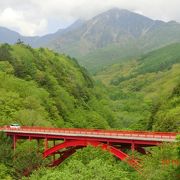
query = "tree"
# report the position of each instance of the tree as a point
(27, 158)
(19, 41)
(4, 173)
(6, 152)
(159, 165)
(5, 52)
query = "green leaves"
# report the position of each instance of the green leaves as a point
(89, 163)
(47, 89)
(5, 66)
(6, 152)
(5, 52)
(4, 172)
(145, 93)
(159, 164)
(27, 158)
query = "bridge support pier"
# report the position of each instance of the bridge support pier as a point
(38, 144)
(30, 138)
(45, 143)
(54, 155)
(14, 142)
(132, 146)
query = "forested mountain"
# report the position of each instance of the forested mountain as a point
(146, 91)
(40, 87)
(113, 36)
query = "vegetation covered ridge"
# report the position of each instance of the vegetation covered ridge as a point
(40, 87)
(146, 91)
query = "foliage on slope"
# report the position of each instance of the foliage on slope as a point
(34, 90)
(40, 87)
(145, 92)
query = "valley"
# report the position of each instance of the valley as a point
(145, 91)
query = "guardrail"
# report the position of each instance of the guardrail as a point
(142, 134)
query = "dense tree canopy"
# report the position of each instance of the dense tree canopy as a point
(39, 87)
(145, 92)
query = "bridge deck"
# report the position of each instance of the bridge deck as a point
(59, 133)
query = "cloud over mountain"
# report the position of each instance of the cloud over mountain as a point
(32, 17)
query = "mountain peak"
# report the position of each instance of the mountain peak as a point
(107, 37)
(118, 10)
(122, 21)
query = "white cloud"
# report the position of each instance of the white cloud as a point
(32, 16)
(17, 20)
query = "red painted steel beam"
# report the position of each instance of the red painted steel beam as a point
(95, 132)
(90, 135)
(98, 131)
(116, 152)
(59, 137)
(65, 155)
(14, 142)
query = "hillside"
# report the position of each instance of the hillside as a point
(40, 87)
(145, 91)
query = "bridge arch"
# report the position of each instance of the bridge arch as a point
(71, 146)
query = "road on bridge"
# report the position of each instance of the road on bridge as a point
(60, 133)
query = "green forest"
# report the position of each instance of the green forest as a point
(39, 87)
(145, 92)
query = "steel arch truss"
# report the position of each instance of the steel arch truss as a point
(71, 146)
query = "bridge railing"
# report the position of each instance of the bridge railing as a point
(142, 134)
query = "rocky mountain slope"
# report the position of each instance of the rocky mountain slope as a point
(107, 38)
(115, 35)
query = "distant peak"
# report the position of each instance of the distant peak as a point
(123, 14)
(118, 10)
(172, 22)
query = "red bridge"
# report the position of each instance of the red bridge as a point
(67, 141)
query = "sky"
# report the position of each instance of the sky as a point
(40, 17)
